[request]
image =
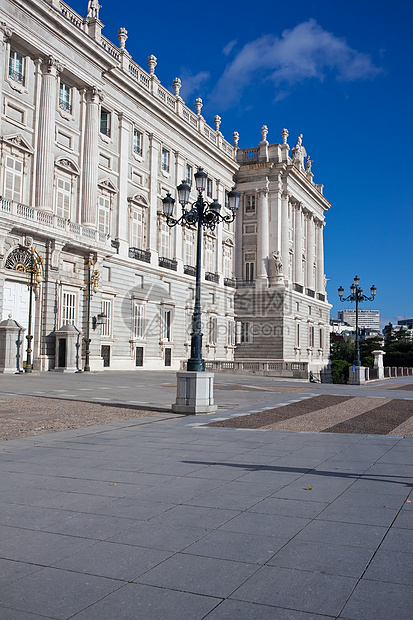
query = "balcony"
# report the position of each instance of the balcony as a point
(310, 292)
(28, 218)
(230, 282)
(190, 270)
(298, 287)
(138, 254)
(212, 277)
(168, 263)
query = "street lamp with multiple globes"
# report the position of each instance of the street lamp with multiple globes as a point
(92, 287)
(34, 270)
(357, 296)
(198, 215)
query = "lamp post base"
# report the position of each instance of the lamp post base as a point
(195, 393)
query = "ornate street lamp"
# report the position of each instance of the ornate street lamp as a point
(92, 287)
(198, 215)
(34, 270)
(358, 297)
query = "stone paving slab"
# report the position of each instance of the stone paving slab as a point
(168, 519)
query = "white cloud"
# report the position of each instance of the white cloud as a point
(191, 84)
(305, 52)
(229, 47)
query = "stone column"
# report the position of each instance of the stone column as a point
(320, 257)
(46, 135)
(263, 242)
(90, 158)
(298, 245)
(310, 251)
(285, 243)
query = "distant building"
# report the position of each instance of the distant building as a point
(367, 318)
(407, 322)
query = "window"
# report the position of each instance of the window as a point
(104, 214)
(65, 97)
(189, 174)
(189, 247)
(213, 330)
(209, 188)
(249, 271)
(13, 179)
(137, 142)
(165, 160)
(244, 332)
(309, 310)
(105, 122)
(165, 244)
(166, 325)
(16, 67)
(250, 203)
(138, 320)
(69, 307)
(227, 262)
(106, 327)
(63, 197)
(297, 336)
(209, 255)
(137, 229)
(311, 337)
(231, 333)
(321, 338)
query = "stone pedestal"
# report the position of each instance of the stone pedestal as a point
(11, 352)
(195, 393)
(378, 363)
(358, 376)
(67, 349)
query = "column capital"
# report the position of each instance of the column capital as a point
(285, 194)
(94, 95)
(52, 66)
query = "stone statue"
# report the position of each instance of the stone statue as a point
(279, 269)
(308, 164)
(299, 152)
(93, 7)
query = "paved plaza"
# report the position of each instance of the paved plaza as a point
(166, 517)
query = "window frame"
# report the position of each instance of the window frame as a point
(65, 95)
(250, 203)
(165, 160)
(15, 175)
(17, 76)
(137, 148)
(69, 312)
(105, 130)
(106, 327)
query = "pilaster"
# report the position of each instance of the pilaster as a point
(154, 150)
(122, 214)
(5, 34)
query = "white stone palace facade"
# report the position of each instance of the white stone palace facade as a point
(90, 144)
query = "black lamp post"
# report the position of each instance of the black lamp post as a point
(35, 277)
(358, 297)
(199, 215)
(92, 287)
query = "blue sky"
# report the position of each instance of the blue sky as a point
(337, 72)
